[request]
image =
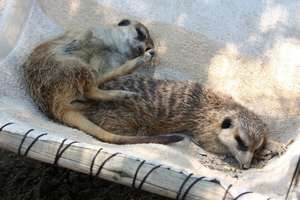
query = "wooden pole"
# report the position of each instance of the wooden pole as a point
(115, 167)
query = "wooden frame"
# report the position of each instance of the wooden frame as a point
(119, 168)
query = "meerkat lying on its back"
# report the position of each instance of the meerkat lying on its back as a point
(66, 70)
(215, 122)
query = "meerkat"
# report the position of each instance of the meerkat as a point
(62, 72)
(216, 122)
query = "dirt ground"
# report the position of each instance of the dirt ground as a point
(25, 179)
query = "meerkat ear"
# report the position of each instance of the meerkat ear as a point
(124, 22)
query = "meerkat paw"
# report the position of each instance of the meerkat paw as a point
(272, 149)
(264, 154)
(146, 59)
(150, 52)
(148, 56)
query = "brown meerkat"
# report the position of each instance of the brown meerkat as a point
(216, 122)
(70, 68)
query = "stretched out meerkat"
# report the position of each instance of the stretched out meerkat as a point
(70, 68)
(216, 122)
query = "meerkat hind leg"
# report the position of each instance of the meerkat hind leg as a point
(97, 94)
(127, 68)
(76, 119)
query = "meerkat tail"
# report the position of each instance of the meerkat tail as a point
(76, 119)
(159, 139)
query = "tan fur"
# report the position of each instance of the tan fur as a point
(66, 70)
(165, 106)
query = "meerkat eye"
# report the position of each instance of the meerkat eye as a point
(227, 123)
(141, 36)
(124, 22)
(241, 145)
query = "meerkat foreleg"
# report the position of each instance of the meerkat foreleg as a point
(272, 148)
(127, 68)
(109, 95)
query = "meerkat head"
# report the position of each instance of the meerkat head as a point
(242, 133)
(230, 129)
(135, 38)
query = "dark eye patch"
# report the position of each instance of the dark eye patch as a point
(141, 35)
(124, 22)
(227, 123)
(241, 145)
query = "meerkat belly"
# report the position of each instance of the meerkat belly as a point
(51, 82)
(159, 107)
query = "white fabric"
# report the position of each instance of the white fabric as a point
(247, 49)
